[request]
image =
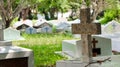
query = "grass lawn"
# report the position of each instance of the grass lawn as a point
(44, 47)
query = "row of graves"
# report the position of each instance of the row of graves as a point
(43, 26)
(13, 56)
(97, 47)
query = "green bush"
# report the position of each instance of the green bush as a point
(109, 15)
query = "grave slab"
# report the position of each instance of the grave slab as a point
(13, 34)
(14, 52)
(5, 43)
(71, 48)
(74, 63)
(104, 44)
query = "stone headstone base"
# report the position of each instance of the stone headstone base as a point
(115, 59)
(5, 43)
(72, 63)
(15, 53)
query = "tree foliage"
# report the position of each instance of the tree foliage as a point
(9, 9)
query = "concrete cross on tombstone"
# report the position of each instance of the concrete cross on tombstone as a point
(1, 32)
(86, 28)
(46, 29)
(30, 29)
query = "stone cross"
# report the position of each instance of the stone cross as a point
(30, 29)
(95, 51)
(94, 42)
(1, 32)
(46, 29)
(86, 28)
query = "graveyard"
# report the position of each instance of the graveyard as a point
(59, 33)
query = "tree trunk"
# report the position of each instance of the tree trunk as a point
(8, 22)
(52, 13)
(46, 15)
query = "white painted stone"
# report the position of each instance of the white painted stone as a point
(5, 43)
(111, 27)
(26, 22)
(11, 34)
(104, 44)
(72, 48)
(9, 52)
(115, 41)
(39, 22)
(63, 26)
(40, 16)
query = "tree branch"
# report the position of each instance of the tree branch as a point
(18, 8)
(2, 8)
(97, 8)
(99, 61)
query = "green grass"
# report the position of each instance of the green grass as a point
(44, 47)
(42, 39)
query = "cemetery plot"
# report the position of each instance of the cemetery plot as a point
(62, 26)
(23, 24)
(15, 56)
(30, 30)
(111, 28)
(44, 28)
(72, 48)
(84, 28)
(12, 34)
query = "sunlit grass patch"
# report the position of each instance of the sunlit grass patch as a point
(44, 47)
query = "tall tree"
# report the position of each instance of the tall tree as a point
(9, 9)
(50, 7)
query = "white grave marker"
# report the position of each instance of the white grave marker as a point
(111, 27)
(12, 34)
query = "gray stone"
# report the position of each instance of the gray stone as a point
(5, 43)
(72, 63)
(9, 52)
(75, 63)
